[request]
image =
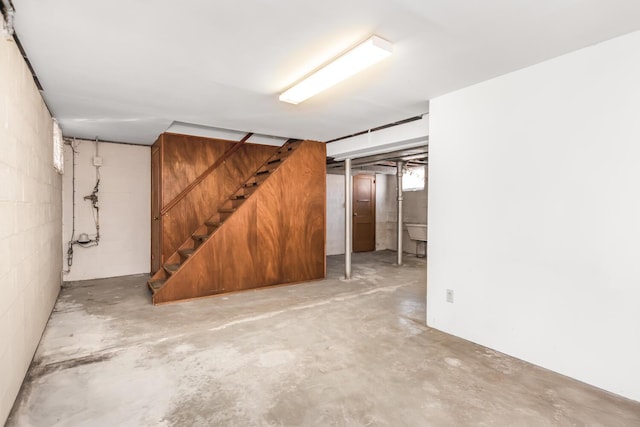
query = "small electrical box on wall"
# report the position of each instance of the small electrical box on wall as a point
(97, 161)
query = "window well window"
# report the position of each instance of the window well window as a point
(413, 179)
(58, 146)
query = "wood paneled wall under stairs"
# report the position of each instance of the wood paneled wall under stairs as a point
(275, 234)
(182, 158)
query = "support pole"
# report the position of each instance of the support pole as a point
(399, 165)
(348, 218)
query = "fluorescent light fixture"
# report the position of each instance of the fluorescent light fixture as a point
(352, 62)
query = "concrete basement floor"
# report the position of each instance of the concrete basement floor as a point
(332, 352)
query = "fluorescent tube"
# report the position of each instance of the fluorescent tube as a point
(352, 62)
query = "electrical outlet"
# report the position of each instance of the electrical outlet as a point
(97, 161)
(450, 295)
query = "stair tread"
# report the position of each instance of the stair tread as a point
(239, 197)
(288, 147)
(227, 210)
(171, 267)
(213, 223)
(156, 284)
(186, 252)
(200, 236)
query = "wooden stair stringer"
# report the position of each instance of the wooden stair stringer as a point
(275, 236)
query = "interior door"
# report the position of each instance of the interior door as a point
(364, 213)
(156, 222)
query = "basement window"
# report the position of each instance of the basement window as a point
(58, 148)
(413, 179)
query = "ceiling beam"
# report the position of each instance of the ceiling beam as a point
(404, 155)
(399, 122)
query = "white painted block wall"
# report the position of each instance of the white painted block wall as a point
(534, 214)
(414, 211)
(335, 214)
(125, 210)
(385, 212)
(30, 222)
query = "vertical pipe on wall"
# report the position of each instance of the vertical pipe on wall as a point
(348, 220)
(399, 166)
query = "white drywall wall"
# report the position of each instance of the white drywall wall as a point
(124, 200)
(30, 222)
(534, 214)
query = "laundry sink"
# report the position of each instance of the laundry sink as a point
(417, 231)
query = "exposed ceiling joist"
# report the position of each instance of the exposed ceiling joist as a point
(417, 156)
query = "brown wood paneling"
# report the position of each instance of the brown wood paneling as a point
(205, 174)
(277, 236)
(240, 167)
(181, 221)
(184, 159)
(302, 214)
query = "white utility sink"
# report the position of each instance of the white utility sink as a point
(417, 231)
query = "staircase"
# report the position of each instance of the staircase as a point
(240, 246)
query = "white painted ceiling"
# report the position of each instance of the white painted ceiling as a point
(125, 70)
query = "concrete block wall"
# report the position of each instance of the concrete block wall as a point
(30, 222)
(414, 210)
